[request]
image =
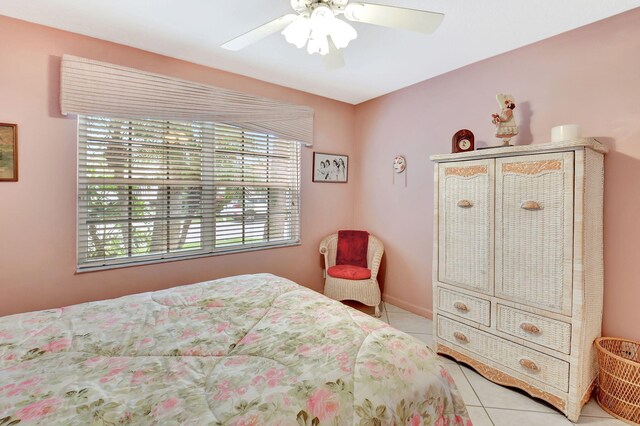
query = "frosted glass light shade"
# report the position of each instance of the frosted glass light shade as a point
(316, 29)
(322, 19)
(297, 32)
(318, 43)
(342, 33)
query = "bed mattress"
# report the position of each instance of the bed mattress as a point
(244, 350)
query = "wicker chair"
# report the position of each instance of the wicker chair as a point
(366, 291)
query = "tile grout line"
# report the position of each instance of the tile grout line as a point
(474, 391)
(555, 413)
(484, 408)
(559, 414)
(528, 411)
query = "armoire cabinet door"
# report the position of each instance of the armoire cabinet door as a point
(465, 241)
(534, 230)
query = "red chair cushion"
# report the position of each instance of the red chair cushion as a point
(352, 248)
(349, 272)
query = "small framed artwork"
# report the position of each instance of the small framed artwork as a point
(8, 152)
(332, 168)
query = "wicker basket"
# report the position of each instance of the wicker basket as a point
(619, 378)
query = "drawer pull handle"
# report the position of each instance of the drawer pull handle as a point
(465, 204)
(530, 328)
(461, 307)
(529, 365)
(461, 337)
(530, 205)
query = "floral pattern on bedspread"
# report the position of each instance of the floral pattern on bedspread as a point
(244, 350)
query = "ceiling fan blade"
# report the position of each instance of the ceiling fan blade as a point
(394, 17)
(259, 33)
(334, 59)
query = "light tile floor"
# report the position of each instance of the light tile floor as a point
(488, 403)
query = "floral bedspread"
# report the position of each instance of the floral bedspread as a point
(244, 350)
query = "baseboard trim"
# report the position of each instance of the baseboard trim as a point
(428, 313)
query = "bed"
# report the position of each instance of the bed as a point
(244, 350)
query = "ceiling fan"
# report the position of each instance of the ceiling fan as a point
(316, 24)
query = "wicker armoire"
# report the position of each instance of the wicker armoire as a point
(518, 266)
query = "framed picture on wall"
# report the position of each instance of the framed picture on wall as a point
(333, 168)
(8, 152)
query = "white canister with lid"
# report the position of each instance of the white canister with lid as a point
(565, 132)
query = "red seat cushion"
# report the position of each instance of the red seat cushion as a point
(349, 272)
(352, 248)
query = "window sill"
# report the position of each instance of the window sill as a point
(96, 268)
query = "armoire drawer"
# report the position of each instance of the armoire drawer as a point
(465, 306)
(539, 366)
(547, 332)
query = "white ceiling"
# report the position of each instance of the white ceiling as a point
(379, 61)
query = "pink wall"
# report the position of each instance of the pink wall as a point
(589, 76)
(37, 214)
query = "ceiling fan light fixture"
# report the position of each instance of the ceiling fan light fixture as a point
(297, 32)
(317, 24)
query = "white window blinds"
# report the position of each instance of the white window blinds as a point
(151, 190)
(91, 87)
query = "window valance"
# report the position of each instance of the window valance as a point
(91, 87)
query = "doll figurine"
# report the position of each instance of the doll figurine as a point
(505, 122)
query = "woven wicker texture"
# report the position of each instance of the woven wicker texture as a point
(619, 378)
(364, 291)
(465, 306)
(546, 369)
(531, 237)
(589, 314)
(548, 259)
(535, 328)
(465, 193)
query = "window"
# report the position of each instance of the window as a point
(153, 190)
